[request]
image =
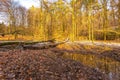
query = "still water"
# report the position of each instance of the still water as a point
(106, 65)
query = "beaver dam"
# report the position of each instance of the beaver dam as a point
(68, 61)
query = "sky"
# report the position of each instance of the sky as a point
(29, 3)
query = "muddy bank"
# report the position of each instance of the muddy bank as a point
(66, 62)
(44, 65)
(99, 50)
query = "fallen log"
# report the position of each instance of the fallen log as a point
(44, 45)
(31, 45)
(4, 43)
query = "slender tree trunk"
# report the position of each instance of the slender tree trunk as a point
(89, 27)
(92, 28)
(119, 14)
(105, 19)
(74, 27)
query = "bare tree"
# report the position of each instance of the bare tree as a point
(9, 8)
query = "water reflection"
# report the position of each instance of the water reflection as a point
(104, 64)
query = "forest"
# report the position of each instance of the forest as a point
(75, 19)
(60, 40)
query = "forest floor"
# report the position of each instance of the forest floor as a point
(70, 61)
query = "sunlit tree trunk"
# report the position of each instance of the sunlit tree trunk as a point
(88, 7)
(113, 12)
(119, 14)
(118, 18)
(105, 19)
(89, 26)
(50, 27)
(41, 19)
(92, 28)
(74, 28)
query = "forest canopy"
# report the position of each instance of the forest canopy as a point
(73, 19)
